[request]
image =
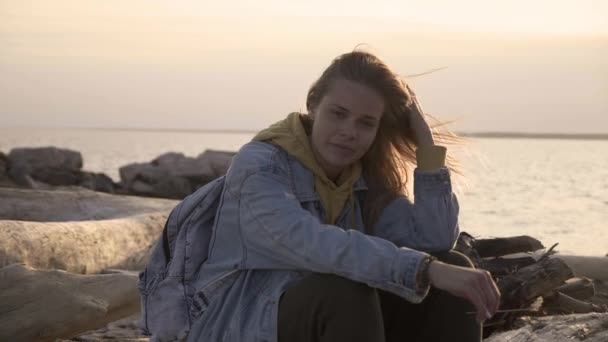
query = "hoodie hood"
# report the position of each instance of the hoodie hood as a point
(290, 134)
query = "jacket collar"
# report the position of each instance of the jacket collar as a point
(303, 181)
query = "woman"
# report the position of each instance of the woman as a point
(315, 240)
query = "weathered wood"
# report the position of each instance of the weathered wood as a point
(586, 266)
(592, 327)
(504, 246)
(80, 231)
(478, 249)
(524, 286)
(124, 330)
(504, 266)
(75, 205)
(561, 303)
(465, 245)
(41, 305)
(579, 288)
(80, 246)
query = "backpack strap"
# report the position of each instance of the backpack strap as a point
(171, 230)
(180, 214)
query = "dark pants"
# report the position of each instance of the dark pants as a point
(325, 307)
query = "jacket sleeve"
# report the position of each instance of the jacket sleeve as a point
(429, 224)
(278, 233)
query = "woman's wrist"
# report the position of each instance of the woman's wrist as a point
(423, 276)
(431, 157)
(434, 268)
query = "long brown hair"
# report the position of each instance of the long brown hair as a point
(391, 157)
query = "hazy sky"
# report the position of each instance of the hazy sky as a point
(532, 66)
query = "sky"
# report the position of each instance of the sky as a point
(524, 66)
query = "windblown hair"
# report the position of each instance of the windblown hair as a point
(392, 156)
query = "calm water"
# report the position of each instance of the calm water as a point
(554, 190)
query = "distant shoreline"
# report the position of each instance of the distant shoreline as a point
(516, 135)
(488, 134)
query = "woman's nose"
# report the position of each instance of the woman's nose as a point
(349, 131)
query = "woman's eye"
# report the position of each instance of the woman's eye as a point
(368, 124)
(339, 114)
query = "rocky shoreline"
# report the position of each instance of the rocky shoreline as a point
(170, 175)
(82, 238)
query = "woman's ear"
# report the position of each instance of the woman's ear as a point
(307, 122)
(311, 115)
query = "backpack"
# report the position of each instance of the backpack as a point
(166, 285)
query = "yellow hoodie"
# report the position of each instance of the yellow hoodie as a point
(290, 134)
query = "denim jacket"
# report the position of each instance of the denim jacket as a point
(269, 233)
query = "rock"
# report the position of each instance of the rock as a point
(591, 327)
(57, 176)
(174, 175)
(28, 182)
(142, 188)
(47, 168)
(218, 161)
(25, 160)
(5, 180)
(148, 173)
(167, 160)
(170, 187)
(191, 168)
(42, 305)
(98, 182)
(3, 163)
(85, 233)
(66, 177)
(178, 165)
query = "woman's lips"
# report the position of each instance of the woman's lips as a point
(344, 148)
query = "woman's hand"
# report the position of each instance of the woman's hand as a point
(420, 128)
(477, 286)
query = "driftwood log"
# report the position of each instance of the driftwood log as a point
(534, 284)
(123, 330)
(82, 231)
(504, 266)
(523, 287)
(86, 232)
(82, 246)
(503, 246)
(559, 302)
(477, 249)
(587, 266)
(591, 327)
(42, 305)
(578, 288)
(74, 205)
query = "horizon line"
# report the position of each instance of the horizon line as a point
(474, 134)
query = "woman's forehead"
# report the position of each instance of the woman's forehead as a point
(355, 97)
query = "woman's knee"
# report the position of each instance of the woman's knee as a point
(336, 308)
(341, 291)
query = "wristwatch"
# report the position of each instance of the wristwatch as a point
(423, 273)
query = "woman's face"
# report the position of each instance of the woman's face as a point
(345, 125)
